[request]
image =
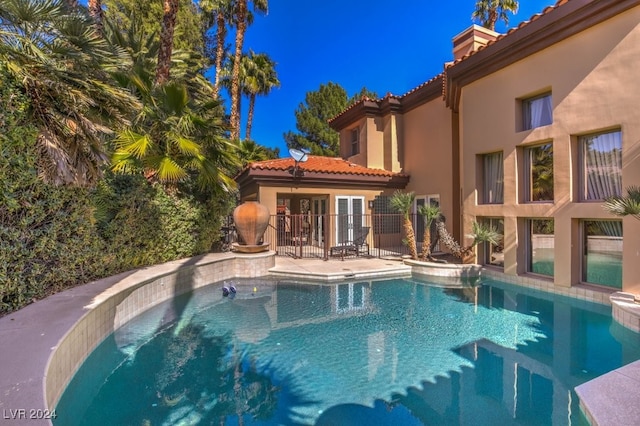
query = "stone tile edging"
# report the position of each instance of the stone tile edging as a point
(625, 310)
(53, 337)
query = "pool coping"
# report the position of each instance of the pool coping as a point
(36, 331)
(34, 358)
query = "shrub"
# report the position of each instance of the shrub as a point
(47, 239)
(144, 224)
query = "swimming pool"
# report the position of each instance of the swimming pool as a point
(397, 351)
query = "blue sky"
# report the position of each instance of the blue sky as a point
(355, 43)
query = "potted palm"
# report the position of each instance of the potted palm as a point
(480, 233)
(402, 203)
(429, 215)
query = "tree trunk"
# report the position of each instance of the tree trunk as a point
(411, 238)
(166, 41)
(252, 103)
(220, 35)
(493, 18)
(241, 27)
(95, 11)
(426, 243)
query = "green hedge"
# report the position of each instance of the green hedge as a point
(47, 237)
(53, 238)
(142, 224)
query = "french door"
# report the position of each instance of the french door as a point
(349, 217)
(318, 210)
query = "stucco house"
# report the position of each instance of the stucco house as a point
(528, 131)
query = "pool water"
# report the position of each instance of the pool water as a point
(390, 352)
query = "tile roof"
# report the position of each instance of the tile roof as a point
(319, 164)
(523, 24)
(447, 65)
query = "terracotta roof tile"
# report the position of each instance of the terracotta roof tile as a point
(319, 164)
(509, 32)
(452, 63)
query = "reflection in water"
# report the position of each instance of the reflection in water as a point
(387, 352)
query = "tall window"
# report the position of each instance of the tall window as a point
(540, 246)
(539, 173)
(355, 144)
(492, 178)
(601, 165)
(537, 111)
(602, 252)
(493, 254)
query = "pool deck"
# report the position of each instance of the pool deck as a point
(30, 335)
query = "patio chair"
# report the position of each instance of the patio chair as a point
(357, 246)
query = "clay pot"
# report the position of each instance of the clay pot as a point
(251, 219)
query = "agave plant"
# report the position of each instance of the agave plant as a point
(624, 206)
(402, 202)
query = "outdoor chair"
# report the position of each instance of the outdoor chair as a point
(358, 246)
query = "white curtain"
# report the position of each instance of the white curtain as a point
(602, 165)
(539, 112)
(493, 178)
(611, 228)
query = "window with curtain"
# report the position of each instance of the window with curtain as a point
(537, 111)
(601, 165)
(538, 177)
(493, 178)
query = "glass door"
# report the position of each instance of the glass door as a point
(349, 217)
(318, 210)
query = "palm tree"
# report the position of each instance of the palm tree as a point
(242, 18)
(170, 9)
(96, 12)
(402, 202)
(627, 205)
(63, 66)
(429, 214)
(175, 138)
(488, 12)
(480, 233)
(220, 13)
(260, 79)
(177, 134)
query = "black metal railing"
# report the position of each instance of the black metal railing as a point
(336, 236)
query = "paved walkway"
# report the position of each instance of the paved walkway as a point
(333, 269)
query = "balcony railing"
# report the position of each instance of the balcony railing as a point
(333, 236)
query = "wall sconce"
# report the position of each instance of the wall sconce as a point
(371, 204)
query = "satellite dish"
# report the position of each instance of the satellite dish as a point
(298, 156)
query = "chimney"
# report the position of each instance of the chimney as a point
(471, 40)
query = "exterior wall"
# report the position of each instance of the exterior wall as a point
(269, 197)
(428, 155)
(593, 88)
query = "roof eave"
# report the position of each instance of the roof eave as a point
(318, 179)
(538, 34)
(362, 109)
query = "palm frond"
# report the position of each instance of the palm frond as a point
(402, 202)
(170, 171)
(484, 233)
(628, 205)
